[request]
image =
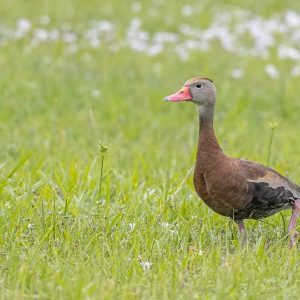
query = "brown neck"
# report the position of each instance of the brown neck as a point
(208, 146)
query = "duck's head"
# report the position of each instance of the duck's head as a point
(200, 91)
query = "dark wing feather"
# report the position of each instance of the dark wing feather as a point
(268, 191)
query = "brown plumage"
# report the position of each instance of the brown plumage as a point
(236, 188)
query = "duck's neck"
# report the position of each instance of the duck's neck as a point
(208, 146)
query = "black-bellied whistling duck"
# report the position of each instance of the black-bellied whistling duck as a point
(236, 188)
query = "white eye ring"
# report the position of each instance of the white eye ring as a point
(198, 85)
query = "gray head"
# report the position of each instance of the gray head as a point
(200, 91)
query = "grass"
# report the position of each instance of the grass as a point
(123, 222)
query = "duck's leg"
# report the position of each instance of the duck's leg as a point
(292, 224)
(242, 232)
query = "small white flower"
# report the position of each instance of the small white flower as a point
(30, 226)
(146, 265)
(95, 93)
(200, 252)
(288, 52)
(136, 7)
(182, 52)
(41, 34)
(165, 37)
(104, 26)
(155, 49)
(187, 10)
(237, 73)
(69, 37)
(292, 19)
(271, 71)
(135, 23)
(131, 225)
(24, 25)
(151, 191)
(165, 224)
(173, 232)
(95, 42)
(295, 72)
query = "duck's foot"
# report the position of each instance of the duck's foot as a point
(242, 232)
(292, 239)
(292, 224)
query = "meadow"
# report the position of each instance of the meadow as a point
(97, 199)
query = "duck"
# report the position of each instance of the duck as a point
(236, 188)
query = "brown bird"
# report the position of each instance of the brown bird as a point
(235, 188)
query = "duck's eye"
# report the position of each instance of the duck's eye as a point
(198, 85)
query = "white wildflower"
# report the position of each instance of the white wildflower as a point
(30, 226)
(165, 37)
(295, 72)
(165, 224)
(135, 23)
(95, 93)
(131, 225)
(95, 42)
(136, 7)
(41, 34)
(288, 52)
(69, 37)
(272, 71)
(155, 49)
(23, 25)
(146, 265)
(187, 10)
(151, 191)
(104, 26)
(237, 73)
(292, 19)
(173, 232)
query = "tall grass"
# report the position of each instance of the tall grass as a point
(80, 222)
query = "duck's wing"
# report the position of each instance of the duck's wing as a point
(267, 190)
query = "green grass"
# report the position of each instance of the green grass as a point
(78, 223)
